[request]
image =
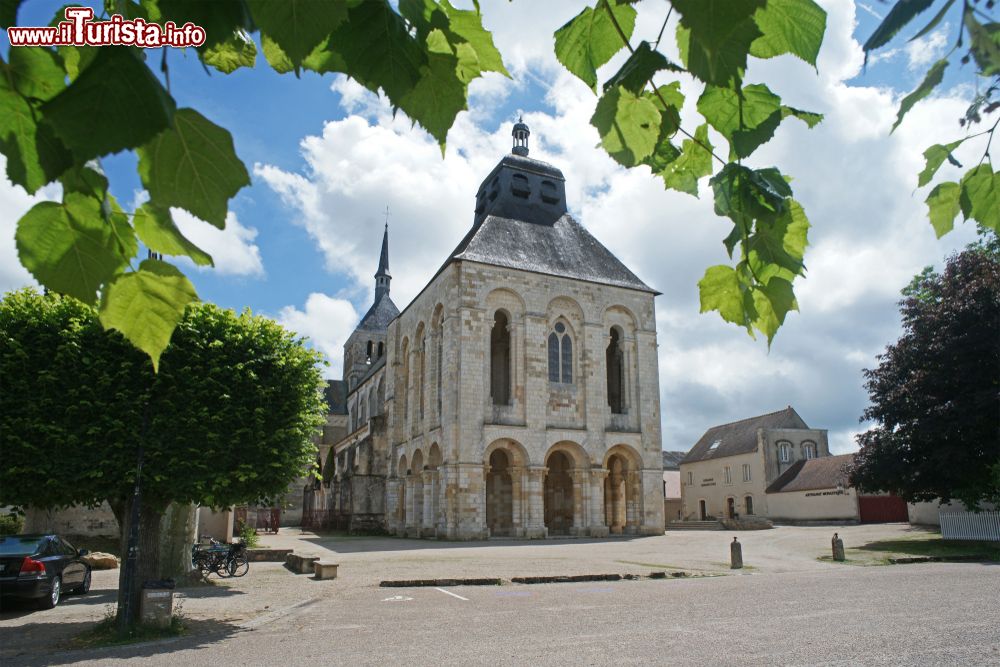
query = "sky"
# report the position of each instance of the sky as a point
(327, 157)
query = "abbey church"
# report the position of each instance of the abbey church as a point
(517, 395)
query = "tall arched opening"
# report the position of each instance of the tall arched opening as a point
(499, 495)
(559, 493)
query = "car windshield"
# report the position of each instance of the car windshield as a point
(17, 545)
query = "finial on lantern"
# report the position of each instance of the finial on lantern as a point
(520, 134)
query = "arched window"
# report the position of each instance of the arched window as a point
(421, 377)
(614, 366)
(809, 449)
(369, 349)
(748, 502)
(500, 359)
(560, 355)
(440, 364)
(381, 349)
(784, 452)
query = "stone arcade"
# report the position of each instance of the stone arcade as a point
(517, 395)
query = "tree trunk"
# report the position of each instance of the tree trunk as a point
(178, 530)
(148, 561)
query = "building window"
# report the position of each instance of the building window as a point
(690, 478)
(381, 350)
(746, 472)
(500, 359)
(809, 449)
(784, 452)
(368, 352)
(729, 475)
(614, 364)
(748, 501)
(560, 355)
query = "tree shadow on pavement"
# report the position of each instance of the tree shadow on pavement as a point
(52, 643)
(936, 547)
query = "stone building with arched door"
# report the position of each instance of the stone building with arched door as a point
(521, 389)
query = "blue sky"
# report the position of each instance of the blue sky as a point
(326, 158)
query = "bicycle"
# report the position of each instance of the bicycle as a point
(220, 559)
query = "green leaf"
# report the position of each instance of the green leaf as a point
(590, 39)
(720, 290)
(193, 166)
(35, 155)
(155, 227)
(746, 125)
(378, 51)
(980, 197)
(146, 305)
(298, 26)
(671, 94)
(228, 56)
(934, 157)
(984, 44)
(714, 37)
(943, 206)
(8, 12)
(694, 163)
(934, 21)
(640, 68)
(118, 90)
(87, 180)
(77, 58)
(438, 95)
(772, 302)
(36, 72)
(469, 26)
(898, 17)
(930, 82)
(219, 18)
(70, 248)
(789, 26)
(810, 118)
(629, 125)
(275, 57)
(777, 247)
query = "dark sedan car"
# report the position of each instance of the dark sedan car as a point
(41, 567)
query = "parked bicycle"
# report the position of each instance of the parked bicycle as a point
(225, 560)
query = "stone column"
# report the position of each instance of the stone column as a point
(632, 500)
(578, 475)
(535, 527)
(427, 522)
(597, 524)
(408, 493)
(516, 501)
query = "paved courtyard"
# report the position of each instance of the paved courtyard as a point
(786, 608)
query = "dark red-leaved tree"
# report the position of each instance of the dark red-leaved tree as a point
(935, 395)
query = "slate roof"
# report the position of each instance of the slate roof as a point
(564, 248)
(379, 315)
(672, 460)
(740, 437)
(336, 396)
(806, 475)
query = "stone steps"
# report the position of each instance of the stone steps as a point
(694, 525)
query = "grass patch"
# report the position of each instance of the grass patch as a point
(106, 633)
(928, 544)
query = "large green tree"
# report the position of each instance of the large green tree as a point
(229, 418)
(935, 395)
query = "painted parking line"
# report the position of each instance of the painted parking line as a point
(454, 595)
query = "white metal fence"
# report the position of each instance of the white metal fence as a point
(962, 525)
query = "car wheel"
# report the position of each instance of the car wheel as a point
(52, 599)
(85, 586)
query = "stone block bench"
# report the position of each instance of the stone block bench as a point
(300, 564)
(325, 569)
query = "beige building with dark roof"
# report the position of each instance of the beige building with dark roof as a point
(733, 469)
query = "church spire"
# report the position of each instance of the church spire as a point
(520, 134)
(382, 277)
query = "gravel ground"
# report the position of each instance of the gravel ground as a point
(270, 595)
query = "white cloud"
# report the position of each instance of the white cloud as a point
(232, 249)
(15, 202)
(856, 181)
(925, 50)
(327, 322)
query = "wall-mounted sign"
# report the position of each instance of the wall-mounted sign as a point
(826, 493)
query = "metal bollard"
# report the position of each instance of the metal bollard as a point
(735, 555)
(838, 548)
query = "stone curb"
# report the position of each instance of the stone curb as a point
(559, 579)
(267, 555)
(939, 559)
